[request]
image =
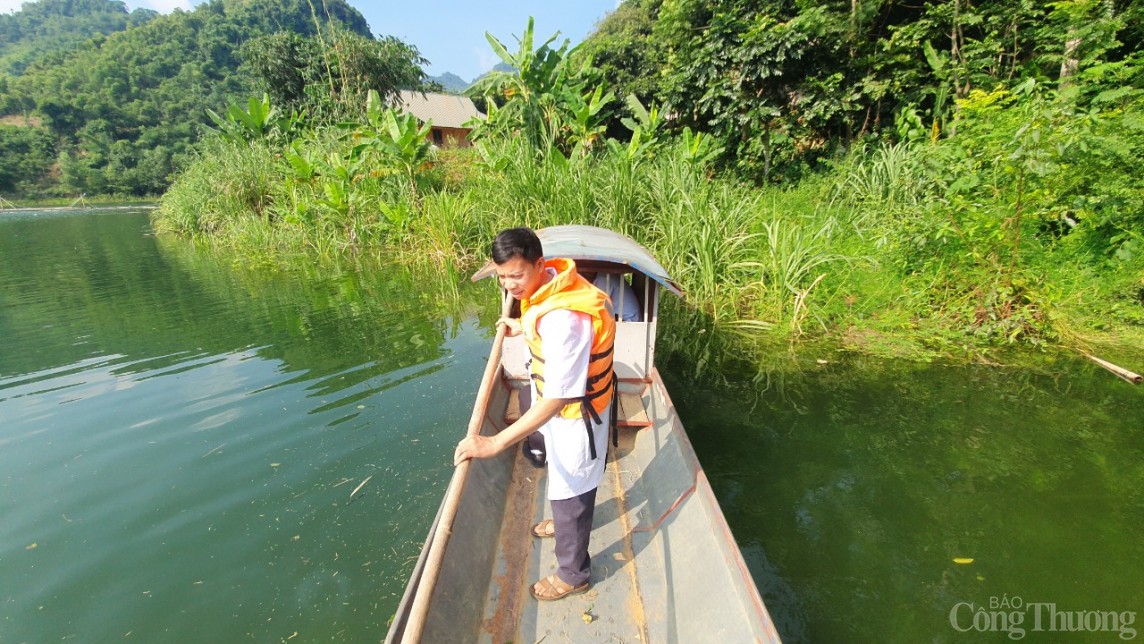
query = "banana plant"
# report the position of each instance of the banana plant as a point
(648, 123)
(647, 132)
(698, 148)
(300, 162)
(396, 215)
(399, 138)
(544, 98)
(258, 121)
(943, 70)
(245, 125)
(586, 125)
(337, 196)
(337, 175)
(637, 147)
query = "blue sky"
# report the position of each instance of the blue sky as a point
(451, 33)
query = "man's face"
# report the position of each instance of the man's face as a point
(521, 277)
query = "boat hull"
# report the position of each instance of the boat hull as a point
(665, 566)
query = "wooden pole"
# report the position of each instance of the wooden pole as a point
(1120, 372)
(415, 626)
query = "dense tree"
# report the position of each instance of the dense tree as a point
(59, 25)
(302, 73)
(783, 83)
(622, 49)
(26, 154)
(125, 101)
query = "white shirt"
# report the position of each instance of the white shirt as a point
(566, 343)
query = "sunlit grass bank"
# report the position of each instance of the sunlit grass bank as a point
(1014, 219)
(864, 254)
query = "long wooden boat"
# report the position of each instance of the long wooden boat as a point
(665, 567)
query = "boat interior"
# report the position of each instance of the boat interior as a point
(665, 566)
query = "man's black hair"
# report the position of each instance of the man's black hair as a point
(517, 242)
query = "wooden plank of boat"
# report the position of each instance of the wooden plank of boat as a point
(630, 410)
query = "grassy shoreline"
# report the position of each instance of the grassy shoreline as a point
(823, 259)
(66, 202)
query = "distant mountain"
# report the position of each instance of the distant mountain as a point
(455, 84)
(499, 67)
(451, 82)
(96, 100)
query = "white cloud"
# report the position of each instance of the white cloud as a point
(162, 6)
(166, 6)
(486, 58)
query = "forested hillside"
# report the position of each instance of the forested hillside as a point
(785, 84)
(50, 26)
(119, 111)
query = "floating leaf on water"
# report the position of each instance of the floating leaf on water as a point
(962, 560)
(360, 485)
(275, 464)
(32, 546)
(361, 406)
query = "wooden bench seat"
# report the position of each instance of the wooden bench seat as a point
(630, 412)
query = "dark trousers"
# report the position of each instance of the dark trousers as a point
(572, 521)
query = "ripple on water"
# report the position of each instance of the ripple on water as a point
(211, 470)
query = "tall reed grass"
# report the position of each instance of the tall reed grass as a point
(226, 183)
(766, 261)
(739, 255)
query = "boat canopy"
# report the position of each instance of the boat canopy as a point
(596, 244)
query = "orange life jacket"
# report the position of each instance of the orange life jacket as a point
(568, 290)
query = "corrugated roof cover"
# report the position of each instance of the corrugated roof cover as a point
(599, 244)
(445, 110)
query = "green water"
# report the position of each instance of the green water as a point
(180, 435)
(852, 486)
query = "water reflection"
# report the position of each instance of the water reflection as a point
(853, 486)
(100, 284)
(181, 435)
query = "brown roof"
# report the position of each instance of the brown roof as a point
(445, 110)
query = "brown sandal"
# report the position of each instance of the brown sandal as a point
(552, 588)
(544, 529)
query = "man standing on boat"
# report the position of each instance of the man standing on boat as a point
(570, 334)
